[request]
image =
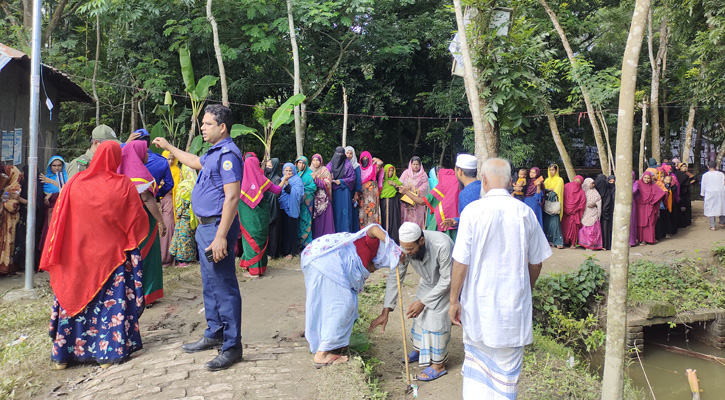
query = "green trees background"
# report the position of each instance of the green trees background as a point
(392, 59)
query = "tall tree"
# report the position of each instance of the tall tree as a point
(656, 64)
(299, 129)
(602, 151)
(218, 52)
(614, 358)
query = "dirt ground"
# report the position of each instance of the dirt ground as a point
(273, 312)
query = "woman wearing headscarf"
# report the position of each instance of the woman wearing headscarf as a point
(54, 179)
(343, 184)
(606, 193)
(308, 201)
(652, 167)
(9, 219)
(633, 216)
(99, 296)
(272, 172)
(575, 200)
(534, 193)
(590, 234)
(415, 179)
(357, 189)
(554, 186)
(168, 209)
(183, 242)
(323, 222)
(686, 180)
(133, 158)
(290, 205)
(389, 183)
(370, 198)
(664, 227)
(254, 216)
(442, 201)
(648, 199)
(675, 188)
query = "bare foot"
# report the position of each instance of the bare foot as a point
(327, 358)
(290, 256)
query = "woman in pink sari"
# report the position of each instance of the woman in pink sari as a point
(648, 200)
(414, 178)
(574, 203)
(590, 234)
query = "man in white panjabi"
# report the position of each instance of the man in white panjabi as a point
(712, 189)
(429, 253)
(497, 258)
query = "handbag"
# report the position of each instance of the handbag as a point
(552, 206)
(408, 200)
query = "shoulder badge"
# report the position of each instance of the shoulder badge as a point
(227, 165)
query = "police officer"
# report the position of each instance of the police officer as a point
(214, 200)
(100, 134)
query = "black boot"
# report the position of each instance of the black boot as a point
(202, 344)
(225, 359)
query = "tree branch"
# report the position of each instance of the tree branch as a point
(343, 50)
(54, 20)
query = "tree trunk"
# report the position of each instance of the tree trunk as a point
(218, 52)
(132, 122)
(721, 152)
(614, 358)
(665, 109)
(95, 68)
(344, 117)
(656, 65)
(141, 114)
(642, 161)
(470, 80)
(697, 150)
(299, 132)
(685, 153)
(123, 113)
(418, 133)
(568, 166)
(444, 142)
(585, 93)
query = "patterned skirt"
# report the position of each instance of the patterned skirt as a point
(369, 205)
(107, 330)
(183, 244)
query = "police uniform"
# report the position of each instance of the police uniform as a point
(221, 165)
(79, 164)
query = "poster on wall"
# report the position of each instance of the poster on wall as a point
(18, 146)
(8, 143)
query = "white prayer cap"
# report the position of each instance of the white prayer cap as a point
(409, 232)
(466, 161)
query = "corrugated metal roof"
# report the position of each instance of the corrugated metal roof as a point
(67, 89)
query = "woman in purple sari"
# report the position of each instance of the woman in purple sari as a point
(343, 182)
(322, 220)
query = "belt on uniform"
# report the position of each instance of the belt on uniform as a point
(208, 220)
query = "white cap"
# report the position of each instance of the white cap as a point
(409, 232)
(466, 161)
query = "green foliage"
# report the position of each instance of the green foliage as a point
(685, 284)
(562, 303)
(718, 250)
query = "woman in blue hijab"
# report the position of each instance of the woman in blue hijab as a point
(290, 203)
(53, 180)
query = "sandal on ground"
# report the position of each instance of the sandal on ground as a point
(329, 362)
(247, 275)
(712, 229)
(412, 357)
(60, 366)
(182, 265)
(432, 374)
(559, 247)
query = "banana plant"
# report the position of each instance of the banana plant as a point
(172, 122)
(280, 117)
(197, 91)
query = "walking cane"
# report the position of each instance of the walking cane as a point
(402, 328)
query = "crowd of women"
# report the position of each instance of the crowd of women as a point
(580, 213)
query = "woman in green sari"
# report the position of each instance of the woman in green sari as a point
(389, 183)
(254, 216)
(308, 201)
(183, 243)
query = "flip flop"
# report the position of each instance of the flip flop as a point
(432, 374)
(329, 362)
(412, 357)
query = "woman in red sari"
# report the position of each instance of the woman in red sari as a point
(95, 264)
(647, 201)
(575, 200)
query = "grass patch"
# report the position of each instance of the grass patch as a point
(685, 284)
(718, 250)
(369, 302)
(551, 372)
(22, 365)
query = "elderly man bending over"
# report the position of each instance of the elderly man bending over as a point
(429, 253)
(335, 268)
(497, 259)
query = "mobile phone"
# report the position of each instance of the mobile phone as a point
(209, 256)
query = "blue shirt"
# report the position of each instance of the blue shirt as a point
(221, 165)
(469, 194)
